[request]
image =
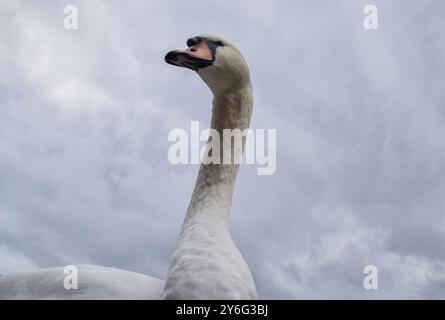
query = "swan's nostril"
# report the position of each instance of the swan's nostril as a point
(195, 47)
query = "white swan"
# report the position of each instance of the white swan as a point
(205, 263)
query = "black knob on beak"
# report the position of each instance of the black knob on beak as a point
(193, 41)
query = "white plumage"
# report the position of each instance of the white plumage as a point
(94, 282)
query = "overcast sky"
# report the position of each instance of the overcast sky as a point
(360, 119)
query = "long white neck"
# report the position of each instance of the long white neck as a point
(206, 264)
(212, 196)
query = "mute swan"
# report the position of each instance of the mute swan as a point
(205, 263)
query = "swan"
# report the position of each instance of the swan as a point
(205, 263)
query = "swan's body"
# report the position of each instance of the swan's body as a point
(94, 282)
(205, 263)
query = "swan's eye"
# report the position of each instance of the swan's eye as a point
(220, 43)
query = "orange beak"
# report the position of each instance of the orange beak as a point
(198, 55)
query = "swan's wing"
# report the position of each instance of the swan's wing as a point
(94, 282)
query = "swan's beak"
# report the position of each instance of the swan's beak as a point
(198, 55)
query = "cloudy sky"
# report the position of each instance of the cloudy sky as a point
(359, 114)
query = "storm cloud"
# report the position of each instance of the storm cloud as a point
(360, 179)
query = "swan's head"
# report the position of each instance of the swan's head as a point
(218, 62)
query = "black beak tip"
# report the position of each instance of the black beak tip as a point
(170, 57)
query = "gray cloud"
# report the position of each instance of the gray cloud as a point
(85, 115)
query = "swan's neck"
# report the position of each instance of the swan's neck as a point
(212, 196)
(206, 263)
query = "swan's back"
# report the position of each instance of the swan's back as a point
(94, 282)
